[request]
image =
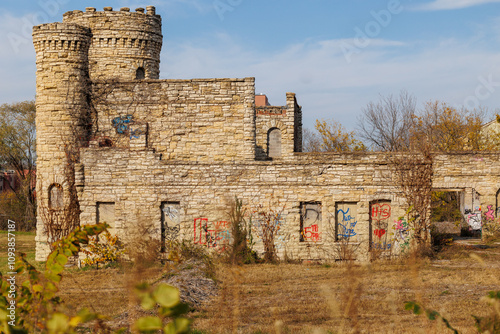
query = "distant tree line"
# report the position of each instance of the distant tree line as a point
(18, 164)
(395, 124)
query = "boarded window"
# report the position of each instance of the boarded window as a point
(274, 143)
(140, 73)
(380, 225)
(346, 220)
(56, 197)
(310, 221)
(106, 214)
(170, 222)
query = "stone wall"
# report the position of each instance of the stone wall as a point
(61, 105)
(163, 159)
(345, 187)
(354, 194)
(122, 41)
(192, 120)
(285, 123)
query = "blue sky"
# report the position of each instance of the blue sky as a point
(336, 55)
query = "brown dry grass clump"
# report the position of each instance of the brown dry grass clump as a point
(345, 298)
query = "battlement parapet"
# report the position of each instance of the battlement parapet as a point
(108, 18)
(151, 10)
(119, 28)
(61, 36)
(125, 45)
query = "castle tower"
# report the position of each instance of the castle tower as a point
(125, 45)
(62, 88)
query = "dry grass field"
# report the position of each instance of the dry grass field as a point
(347, 299)
(25, 243)
(328, 298)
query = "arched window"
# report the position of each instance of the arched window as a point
(56, 196)
(274, 143)
(140, 73)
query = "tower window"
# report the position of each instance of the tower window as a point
(274, 143)
(56, 196)
(140, 73)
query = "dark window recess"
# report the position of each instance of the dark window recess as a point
(170, 222)
(310, 221)
(274, 143)
(56, 196)
(140, 73)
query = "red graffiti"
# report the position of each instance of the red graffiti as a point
(222, 225)
(214, 237)
(379, 233)
(381, 211)
(311, 233)
(200, 231)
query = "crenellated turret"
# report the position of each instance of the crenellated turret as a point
(62, 117)
(125, 45)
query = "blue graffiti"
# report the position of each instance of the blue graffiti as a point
(381, 246)
(347, 229)
(122, 123)
(135, 134)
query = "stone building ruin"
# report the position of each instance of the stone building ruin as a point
(164, 158)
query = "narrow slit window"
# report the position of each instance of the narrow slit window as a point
(56, 196)
(170, 222)
(140, 73)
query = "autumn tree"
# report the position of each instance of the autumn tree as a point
(394, 124)
(448, 129)
(18, 153)
(334, 138)
(311, 141)
(386, 125)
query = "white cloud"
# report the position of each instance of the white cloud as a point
(328, 86)
(451, 4)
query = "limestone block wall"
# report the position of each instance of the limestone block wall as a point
(191, 120)
(61, 103)
(278, 130)
(320, 199)
(122, 41)
(477, 176)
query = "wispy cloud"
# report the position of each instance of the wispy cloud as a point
(451, 4)
(327, 86)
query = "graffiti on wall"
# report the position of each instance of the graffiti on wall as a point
(213, 235)
(170, 218)
(402, 234)
(310, 221)
(346, 220)
(122, 125)
(490, 213)
(473, 215)
(380, 213)
(474, 221)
